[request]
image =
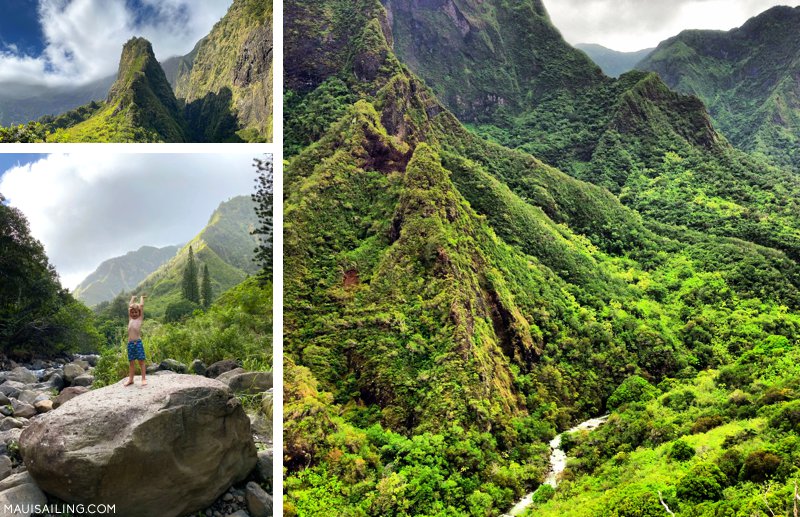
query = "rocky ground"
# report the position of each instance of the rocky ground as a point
(28, 392)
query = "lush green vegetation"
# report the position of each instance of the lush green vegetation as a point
(29, 133)
(450, 304)
(37, 316)
(754, 106)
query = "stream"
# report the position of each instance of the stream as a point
(558, 462)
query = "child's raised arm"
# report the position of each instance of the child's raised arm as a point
(141, 303)
(133, 299)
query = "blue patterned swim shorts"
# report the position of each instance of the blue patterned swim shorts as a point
(135, 350)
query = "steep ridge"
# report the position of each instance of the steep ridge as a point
(632, 136)
(449, 302)
(120, 274)
(613, 63)
(140, 106)
(748, 77)
(225, 245)
(228, 88)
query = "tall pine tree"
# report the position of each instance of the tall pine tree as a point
(205, 289)
(189, 287)
(263, 200)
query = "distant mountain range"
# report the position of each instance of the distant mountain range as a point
(122, 274)
(748, 77)
(613, 62)
(220, 92)
(225, 245)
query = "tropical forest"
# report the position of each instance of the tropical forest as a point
(517, 285)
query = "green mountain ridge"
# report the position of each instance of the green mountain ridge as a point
(748, 77)
(120, 274)
(140, 106)
(614, 63)
(225, 245)
(449, 302)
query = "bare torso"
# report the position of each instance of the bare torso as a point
(135, 328)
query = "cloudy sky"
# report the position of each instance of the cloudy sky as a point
(629, 25)
(95, 206)
(57, 43)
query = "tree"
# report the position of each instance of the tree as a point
(263, 199)
(206, 290)
(189, 287)
(37, 315)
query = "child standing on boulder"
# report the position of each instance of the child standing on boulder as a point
(135, 346)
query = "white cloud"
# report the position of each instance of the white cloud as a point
(629, 25)
(86, 208)
(84, 38)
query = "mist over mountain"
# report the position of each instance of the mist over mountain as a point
(613, 62)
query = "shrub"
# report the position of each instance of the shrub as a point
(759, 466)
(543, 494)
(635, 501)
(706, 423)
(787, 418)
(177, 311)
(681, 451)
(730, 463)
(703, 482)
(679, 400)
(632, 389)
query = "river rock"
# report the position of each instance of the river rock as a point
(22, 409)
(84, 380)
(9, 423)
(12, 389)
(173, 366)
(264, 465)
(21, 490)
(259, 502)
(239, 513)
(4, 400)
(241, 381)
(5, 467)
(198, 367)
(187, 436)
(71, 371)
(69, 394)
(21, 374)
(43, 406)
(28, 396)
(10, 436)
(7, 410)
(82, 363)
(220, 367)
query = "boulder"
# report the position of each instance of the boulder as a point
(20, 490)
(7, 410)
(9, 423)
(28, 396)
(12, 389)
(71, 371)
(259, 502)
(173, 366)
(264, 465)
(239, 513)
(84, 380)
(82, 363)
(241, 381)
(22, 409)
(220, 367)
(198, 367)
(187, 436)
(69, 394)
(4, 400)
(11, 436)
(43, 406)
(21, 374)
(56, 381)
(152, 368)
(5, 467)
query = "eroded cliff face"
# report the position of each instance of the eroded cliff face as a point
(229, 86)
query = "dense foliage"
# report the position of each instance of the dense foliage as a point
(264, 199)
(38, 317)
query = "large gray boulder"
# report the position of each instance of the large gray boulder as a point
(169, 448)
(21, 374)
(71, 371)
(69, 394)
(242, 381)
